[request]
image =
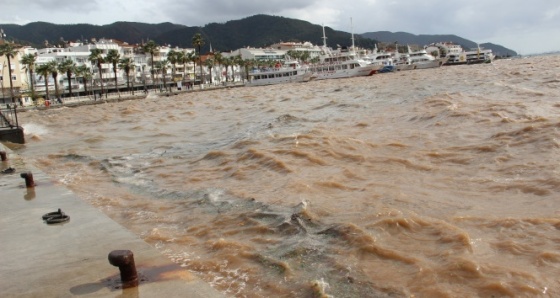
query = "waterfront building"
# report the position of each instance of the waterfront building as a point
(18, 75)
(79, 53)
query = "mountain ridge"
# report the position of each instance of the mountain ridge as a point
(425, 39)
(256, 31)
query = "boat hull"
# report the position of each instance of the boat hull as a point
(334, 71)
(281, 76)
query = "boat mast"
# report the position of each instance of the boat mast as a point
(352, 31)
(324, 37)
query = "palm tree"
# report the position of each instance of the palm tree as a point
(219, 60)
(198, 42)
(29, 61)
(8, 50)
(305, 56)
(113, 57)
(248, 63)
(85, 73)
(163, 65)
(296, 55)
(227, 61)
(209, 63)
(127, 64)
(96, 57)
(44, 70)
(237, 60)
(53, 66)
(180, 56)
(151, 47)
(191, 57)
(69, 67)
(172, 58)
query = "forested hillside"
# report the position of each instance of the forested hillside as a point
(254, 31)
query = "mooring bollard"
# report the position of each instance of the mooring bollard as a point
(3, 155)
(28, 179)
(124, 259)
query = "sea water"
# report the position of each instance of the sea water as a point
(427, 183)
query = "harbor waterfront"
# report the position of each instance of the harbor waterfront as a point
(439, 182)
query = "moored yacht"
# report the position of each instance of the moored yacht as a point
(456, 55)
(380, 58)
(341, 63)
(289, 72)
(422, 60)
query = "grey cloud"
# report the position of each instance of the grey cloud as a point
(200, 13)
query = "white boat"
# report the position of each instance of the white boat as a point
(402, 61)
(380, 58)
(474, 56)
(289, 72)
(341, 63)
(422, 60)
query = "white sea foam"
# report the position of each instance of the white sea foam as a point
(34, 129)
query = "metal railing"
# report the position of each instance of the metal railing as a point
(8, 117)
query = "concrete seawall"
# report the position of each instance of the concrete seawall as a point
(70, 259)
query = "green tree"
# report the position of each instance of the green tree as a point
(442, 52)
(182, 59)
(237, 60)
(151, 47)
(241, 63)
(173, 58)
(69, 67)
(198, 42)
(84, 72)
(163, 66)
(28, 61)
(248, 63)
(44, 70)
(293, 54)
(114, 57)
(191, 57)
(127, 64)
(226, 62)
(53, 66)
(219, 58)
(9, 50)
(209, 63)
(305, 56)
(180, 56)
(96, 56)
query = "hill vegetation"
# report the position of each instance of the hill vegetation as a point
(254, 31)
(423, 39)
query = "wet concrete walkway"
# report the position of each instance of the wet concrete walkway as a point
(71, 259)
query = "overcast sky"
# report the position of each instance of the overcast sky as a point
(524, 26)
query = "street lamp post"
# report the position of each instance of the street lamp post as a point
(2, 84)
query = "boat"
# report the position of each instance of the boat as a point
(422, 60)
(402, 62)
(384, 59)
(341, 63)
(288, 72)
(474, 56)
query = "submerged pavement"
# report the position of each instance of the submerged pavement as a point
(70, 259)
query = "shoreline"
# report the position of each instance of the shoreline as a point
(87, 100)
